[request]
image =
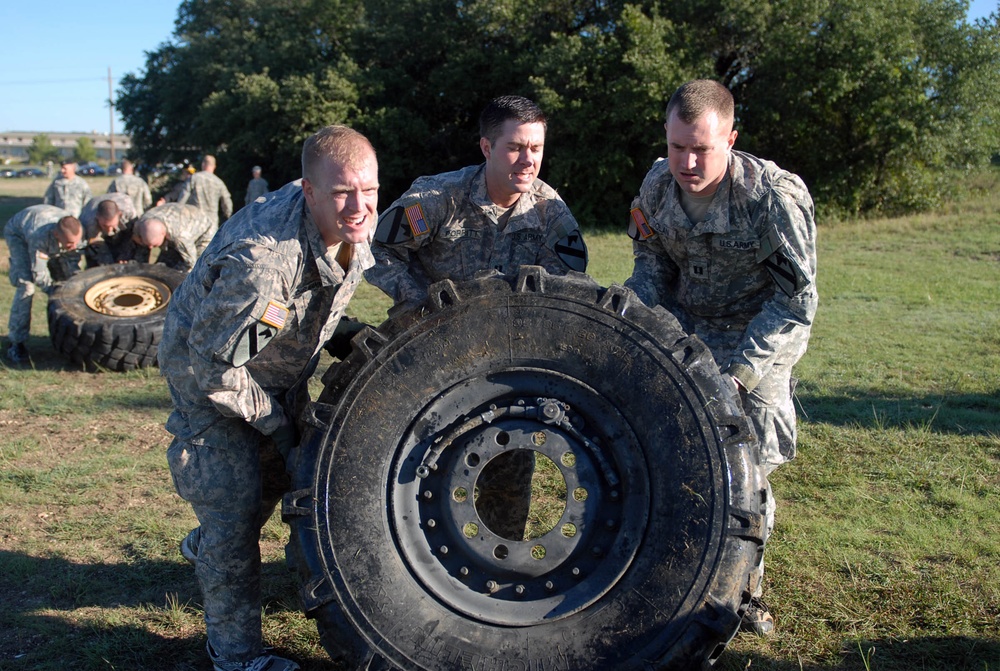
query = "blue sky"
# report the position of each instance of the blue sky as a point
(55, 55)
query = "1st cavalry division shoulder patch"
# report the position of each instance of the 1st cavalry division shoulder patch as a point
(260, 333)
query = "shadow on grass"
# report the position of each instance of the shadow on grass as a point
(139, 615)
(945, 653)
(956, 413)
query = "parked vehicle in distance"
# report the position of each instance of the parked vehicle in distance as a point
(30, 172)
(115, 169)
(90, 169)
(8, 172)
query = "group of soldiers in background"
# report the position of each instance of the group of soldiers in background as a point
(51, 242)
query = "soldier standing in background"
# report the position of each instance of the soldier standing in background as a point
(132, 185)
(257, 186)
(727, 243)
(44, 243)
(181, 232)
(241, 339)
(68, 191)
(208, 192)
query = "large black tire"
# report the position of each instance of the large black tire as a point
(648, 567)
(111, 317)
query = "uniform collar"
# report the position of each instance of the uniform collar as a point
(480, 197)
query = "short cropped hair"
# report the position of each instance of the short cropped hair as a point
(69, 226)
(107, 209)
(699, 96)
(208, 160)
(341, 144)
(504, 108)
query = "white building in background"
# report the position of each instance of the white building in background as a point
(14, 144)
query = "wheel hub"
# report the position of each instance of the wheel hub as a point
(127, 296)
(443, 524)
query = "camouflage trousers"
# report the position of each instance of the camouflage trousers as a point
(771, 411)
(233, 481)
(19, 323)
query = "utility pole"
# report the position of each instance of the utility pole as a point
(111, 115)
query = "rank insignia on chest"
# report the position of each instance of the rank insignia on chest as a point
(415, 215)
(638, 227)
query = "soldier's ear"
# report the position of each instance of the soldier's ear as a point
(484, 145)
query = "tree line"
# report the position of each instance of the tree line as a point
(875, 103)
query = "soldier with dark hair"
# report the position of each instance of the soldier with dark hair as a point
(242, 336)
(727, 242)
(107, 225)
(494, 216)
(44, 243)
(497, 215)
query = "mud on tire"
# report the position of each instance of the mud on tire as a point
(648, 564)
(111, 317)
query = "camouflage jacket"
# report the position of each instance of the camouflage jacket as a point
(209, 193)
(34, 227)
(748, 271)
(68, 194)
(188, 233)
(446, 227)
(255, 189)
(244, 330)
(134, 187)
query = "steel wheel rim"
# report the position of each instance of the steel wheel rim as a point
(499, 580)
(127, 296)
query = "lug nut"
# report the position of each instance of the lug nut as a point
(431, 523)
(549, 586)
(492, 586)
(443, 550)
(519, 590)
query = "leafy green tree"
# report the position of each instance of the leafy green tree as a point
(84, 151)
(871, 101)
(41, 150)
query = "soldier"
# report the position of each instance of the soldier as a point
(208, 192)
(496, 215)
(493, 216)
(43, 241)
(107, 225)
(182, 232)
(726, 242)
(257, 186)
(68, 191)
(241, 339)
(132, 185)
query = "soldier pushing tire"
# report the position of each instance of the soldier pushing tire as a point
(111, 317)
(654, 523)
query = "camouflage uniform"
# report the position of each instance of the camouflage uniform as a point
(105, 249)
(743, 280)
(68, 194)
(241, 339)
(134, 187)
(188, 233)
(35, 260)
(255, 189)
(446, 227)
(210, 194)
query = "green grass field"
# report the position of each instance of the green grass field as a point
(886, 553)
